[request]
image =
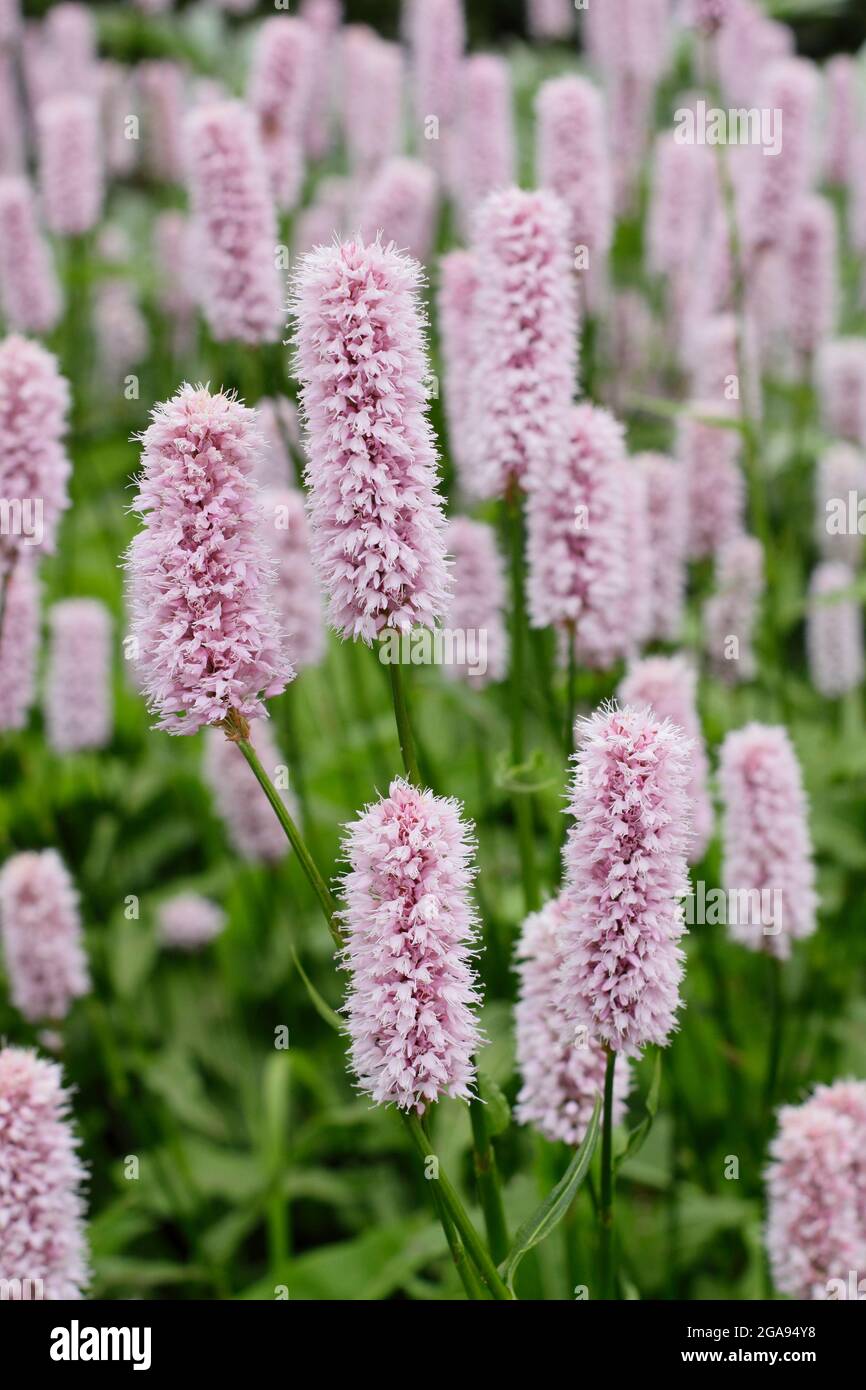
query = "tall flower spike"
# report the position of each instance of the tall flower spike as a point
(813, 275)
(411, 932)
(70, 163)
(437, 41)
(279, 91)
(639, 557)
(458, 285)
(323, 18)
(834, 631)
(840, 126)
(716, 490)
(78, 694)
(201, 592)
(34, 466)
(375, 511)
(572, 159)
(842, 388)
(765, 834)
(485, 150)
(668, 684)
(625, 871)
(19, 643)
(667, 510)
(274, 467)
(188, 922)
(816, 1195)
(235, 225)
(840, 490)
(162, 87)
(550, 19)
(42, 1210)
(576, 541)
(561, 1064)
(29, 290)
(478, 605)
(298, 596)
(789, 86)
(40, 926)
(731, 613)
(525, 334)
(252, 828)
(372, 79)
(400, 204)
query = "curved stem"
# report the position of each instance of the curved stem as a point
(404, 728)
(487, 1177)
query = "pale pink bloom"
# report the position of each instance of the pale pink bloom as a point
(323, 18)
(572, 159)
(577, 541)
(812, 255)
(841, 119)
(766, 840)
(12, 141)
(840, 502)
(834, 631)
(78, 700)
(525, 340)
(411, 932)
(70, 163)
(69, 33)
(372, 104)
(251, 825)
(630, 104)
(778, 181)
(375, 511)
(324, 218)
(484, 154)
(715, 351)
(40, 924)
(279, 88)
(42, 1210)
(633, 345)
(437, 42)
(298, 596)
(668, 684)
(709, 16)
(19, 643)
(629, 36)
(174, 255)
(241, 291)
(400, 206)
(668, 517)
(478, 605)
(639, 557)
(682, 198)
(842, 388)
(10, 20)
(731, 613)
(120, 329)
(162, 85)
(716, 490)
(458, 285)
(561, 1064)
(816, 1195)
(747, 44)
(274, 464)
(118, 100)
(625, 873)
(34, 466)
(188, 922)
(201, 592)
(29, 289)
(550, 19)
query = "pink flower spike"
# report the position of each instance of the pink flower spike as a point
(298, 596)
(372, 80)
(251, 825)
(842, 388)
(437, 41)
(625, 872)
(812, 274)
(201, 592)
(375, 511)
(458, 285)
(188, 922)
(667, 509)
(70, 163)
(400, 206)
(572, 159)
(842, 118)
(478, 607)
(485, 149)
(41, 933)
(34, 465)
(716, 489)
(279, 91)
(731, 613)
(29, 289)
(42, 1211)
(834, 631)
(840, 485)
(411, 931)
(78, 693)
(19, 643)
(550, 19)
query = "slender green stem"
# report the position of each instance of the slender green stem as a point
(571, 691)
(404, 728)
(777, 1020)
(608, 1274)
(517, 691)
(457, 1214)
(489, 1186)
(466, 1270)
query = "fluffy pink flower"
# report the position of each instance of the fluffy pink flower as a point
(478, 604)
(280, 84)
(525, 339)
(201, 591)
(842, 388)
(187, 922)
(668, 684)
(19, 643)
(550, 19)
(625, 872)
(667, 512)
(816, 1194)
(789, 86)
(376, 515)
(834, 631)
(747, 44)
(400, 205)
(34, 467)
(716, 490)
(561, 1064)
(29, 290)
(41, 931)
(298, 597)
(485, 150)
(812, 254)
(458, 285)
(572, 159)
(70, 163)
(765, 834)
(731, 613)
(120, 329)
(42, 1209)
(78, 694)
(437, 41)
(235, 225)
(372, 82)
(411, 932)
(842, 118)
(840, 488)
(162, 86)
(323, 18)
(251, 825)
(576, 541)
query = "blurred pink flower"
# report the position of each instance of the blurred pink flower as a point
(188, 922)
(458, 285)
(400, 204)
(78, 698)
(834, 630)
(279, 90)
(40, 924)
(484, 154)
(70, 163)
(19, 643)
(29, 289)
(572, 159)
(731, 612)
(667, 511)
(298, 596)
(34, 466)
(478, 605)
(716, 489)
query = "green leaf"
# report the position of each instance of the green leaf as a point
(638, 1136)
(497, 1111)
(551, 1211)
(323, 1009)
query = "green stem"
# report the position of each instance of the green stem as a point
(489, 1186)
(571, 691)
(517, 692)
(777, 1019)
(457, 1214)
(608, 1276)
(465, 1269)
(404, 728)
